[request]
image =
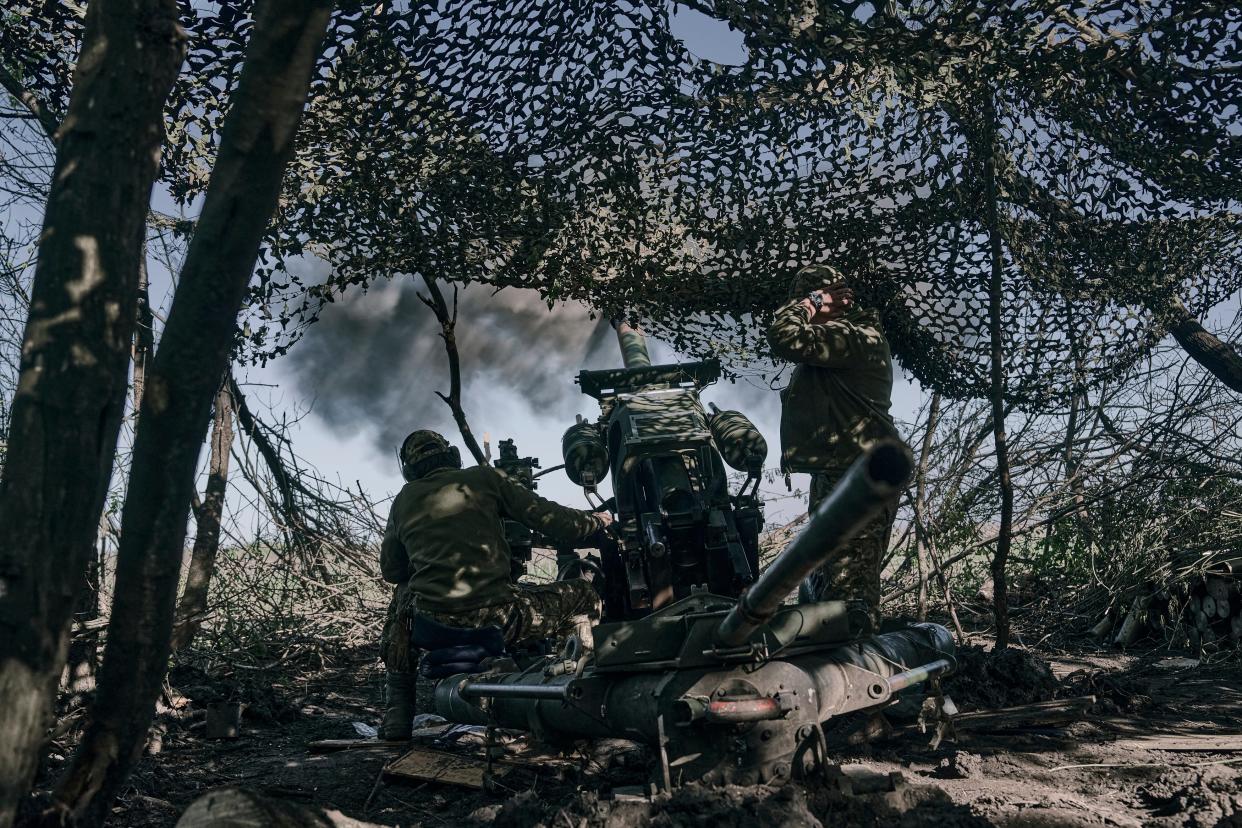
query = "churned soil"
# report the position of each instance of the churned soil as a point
(1125, 762)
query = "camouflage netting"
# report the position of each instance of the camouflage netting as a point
(579, 149)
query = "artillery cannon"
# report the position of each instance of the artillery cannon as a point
(698, 655)
(679, 530)
(728, 690)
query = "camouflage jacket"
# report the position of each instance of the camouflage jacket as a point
(837, 401)
(446, 539)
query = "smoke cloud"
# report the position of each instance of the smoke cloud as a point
(374, 360)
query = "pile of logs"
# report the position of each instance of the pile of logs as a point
(1207, 605)
(1214, 611)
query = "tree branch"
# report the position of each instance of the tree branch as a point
(448, 326)
(46, 119)
(1219, 357)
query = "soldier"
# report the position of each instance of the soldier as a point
(835, 407)
(445, 549)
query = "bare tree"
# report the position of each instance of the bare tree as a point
(920, 503)
(208, 514)
(256, 144)
(71, 394)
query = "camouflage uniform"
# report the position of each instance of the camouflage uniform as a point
(835, 407)
(395, 639)
(554, 610)
(855, 575)
(445, 541)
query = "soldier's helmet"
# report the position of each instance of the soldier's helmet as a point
(423, 451)
(813, 277)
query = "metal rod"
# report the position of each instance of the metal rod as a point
(873, 480)
(483, 690)
(918, 675)
(734, 711)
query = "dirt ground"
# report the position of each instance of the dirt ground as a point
(1111, 767)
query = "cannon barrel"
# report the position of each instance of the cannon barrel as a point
(633, 344)
(873, 480)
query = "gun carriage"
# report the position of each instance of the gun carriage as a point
(699, 656)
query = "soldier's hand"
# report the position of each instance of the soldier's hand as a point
(836, 299)
(605, 517)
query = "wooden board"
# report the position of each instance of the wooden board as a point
(1061, 711)
(423, 765)
(333, 745)
(1223, 743)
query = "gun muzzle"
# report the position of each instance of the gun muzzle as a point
(875, 478)
(633, 344)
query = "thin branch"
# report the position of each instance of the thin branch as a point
(46, 119)
(448, 328)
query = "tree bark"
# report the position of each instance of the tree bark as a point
(1000, 557)
(70, 397)
(1220, 358)
(920, 503)
(256, 143)
(193, 606)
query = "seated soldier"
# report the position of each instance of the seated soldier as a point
(445, 545)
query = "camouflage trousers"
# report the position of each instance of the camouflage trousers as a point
(555, 610)
(855, 574)
(395, 639)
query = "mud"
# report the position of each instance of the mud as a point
(1209, 797)
(986, 679)
(786, 806)
(959, 765)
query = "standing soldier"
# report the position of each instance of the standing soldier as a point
(445, 549)
(835, 407)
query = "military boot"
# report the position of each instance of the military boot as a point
(399, 691)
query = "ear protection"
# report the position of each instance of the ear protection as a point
(425, 465)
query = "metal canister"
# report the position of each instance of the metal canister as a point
(586, 456)
(737, 438)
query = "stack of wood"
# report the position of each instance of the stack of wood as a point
(1205, 600)
(1214, 610)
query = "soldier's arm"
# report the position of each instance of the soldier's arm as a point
(558, 523)
(394, 560)
(794, 338)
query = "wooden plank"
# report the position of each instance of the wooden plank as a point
(1207, 743)
(1061, 711)
(423, 765)
(333, 745)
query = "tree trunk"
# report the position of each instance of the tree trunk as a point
(920, 503)
(70, 396)
(256, 143)
(1220, 358)
(78, 678)
(1000, 558)
(144, 332)
(193, 606)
